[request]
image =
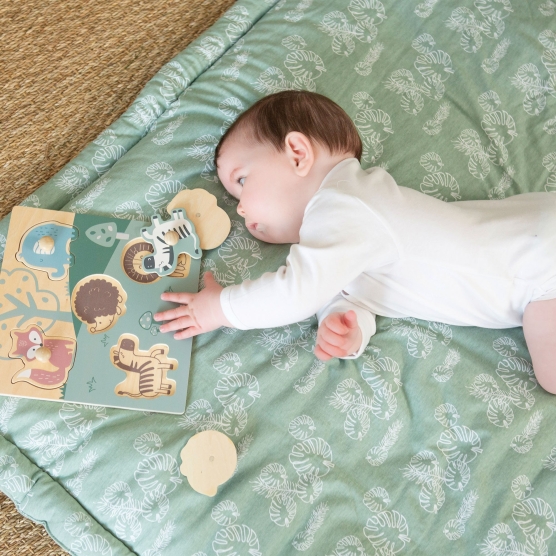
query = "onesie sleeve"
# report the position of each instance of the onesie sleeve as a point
(365, 320)
(340, 237)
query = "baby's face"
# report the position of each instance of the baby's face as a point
(267, 187)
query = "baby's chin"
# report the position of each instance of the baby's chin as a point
(268, 237)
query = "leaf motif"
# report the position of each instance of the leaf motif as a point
(231, 107)
(304, 64)
(432, 497)
(342, 44)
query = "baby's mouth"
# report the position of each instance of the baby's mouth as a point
(252, 226)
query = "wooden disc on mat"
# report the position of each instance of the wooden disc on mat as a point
(212, 224)
(208, 459)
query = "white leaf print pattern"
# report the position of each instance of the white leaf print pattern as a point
(8, 467)
(236, 539)
(302, 427)
(225, 513)
(304, 539)
(148, 444)
(163, 539)
(78, 524)
(92, 544)
(387, 531)
(455, 528)
(378, 454)
(8, 409)
(158, 471)
(73, 180)
(550, 461)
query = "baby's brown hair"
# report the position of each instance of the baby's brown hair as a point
(271, 118)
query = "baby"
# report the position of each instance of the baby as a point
(364, 246)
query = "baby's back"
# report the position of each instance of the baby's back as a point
(501, 252)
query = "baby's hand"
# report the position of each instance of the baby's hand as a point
(338, 336)
(198, 313)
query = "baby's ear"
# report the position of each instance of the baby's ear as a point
(300, 152)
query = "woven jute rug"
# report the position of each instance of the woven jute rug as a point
(68, 70)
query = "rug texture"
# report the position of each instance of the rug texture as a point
(70, 68)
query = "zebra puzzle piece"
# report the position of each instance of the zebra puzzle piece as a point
(146, 370)
(208, 459)
(181, 239)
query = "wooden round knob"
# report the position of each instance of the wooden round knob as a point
(46, 243)
(43, 354)
(171, 237)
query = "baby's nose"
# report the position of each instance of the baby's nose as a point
(240, 210)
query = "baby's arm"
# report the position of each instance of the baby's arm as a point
(339, 305)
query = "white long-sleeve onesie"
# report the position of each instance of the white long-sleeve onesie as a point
(370, 245)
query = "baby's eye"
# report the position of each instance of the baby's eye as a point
(240, 181)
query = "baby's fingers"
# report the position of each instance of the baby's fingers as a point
(321, 354)
(335, 322)
(329, 349)
(171, 314)
(177, 324)
(330, 336)
(177, 297)
(187, 333)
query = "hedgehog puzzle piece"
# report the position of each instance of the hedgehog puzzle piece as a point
(47, 359)
(170, 238)
(146, 370)
(47, 247)
(98, 301)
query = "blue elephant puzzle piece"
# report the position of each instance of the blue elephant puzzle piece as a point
(51, 260)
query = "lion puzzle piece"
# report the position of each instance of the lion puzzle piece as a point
(208, 459)
(146, 370)
(170, 238)
(47, 247)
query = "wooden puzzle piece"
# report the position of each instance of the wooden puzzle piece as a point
(98, 301)
(146, 370)
(183, 267)
(169, 238)
(132, 261)
(208, 459)
(46, 247)
(47, 359)
(212, 224)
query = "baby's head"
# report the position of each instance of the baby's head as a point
(274, 157)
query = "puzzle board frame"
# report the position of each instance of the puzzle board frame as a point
(30, 296)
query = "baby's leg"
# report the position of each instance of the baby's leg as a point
(539, 329)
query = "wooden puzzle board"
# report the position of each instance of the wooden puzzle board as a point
(36, 302)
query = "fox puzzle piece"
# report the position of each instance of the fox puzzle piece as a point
(47, 359)
(208, 459)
